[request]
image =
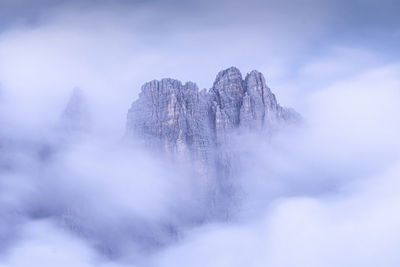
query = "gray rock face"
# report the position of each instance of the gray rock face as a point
(185, 123)
(173, 118)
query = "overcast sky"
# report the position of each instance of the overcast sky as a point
(354, 20)
(372, 24)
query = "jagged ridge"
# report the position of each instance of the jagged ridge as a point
(196, 126)
(184, 119)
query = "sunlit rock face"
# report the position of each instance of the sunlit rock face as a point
(197, 126)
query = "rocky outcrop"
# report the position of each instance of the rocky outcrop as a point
(170, 115)
(185, 123)
(75, 118)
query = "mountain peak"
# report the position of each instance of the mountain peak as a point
(231, 73)
(197, 127)
(76, 117)
(230, 70)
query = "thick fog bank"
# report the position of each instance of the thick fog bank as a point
(324, 193)
(74, 192)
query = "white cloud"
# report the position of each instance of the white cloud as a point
(323, 195)
(45, 244)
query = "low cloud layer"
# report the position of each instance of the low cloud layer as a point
(322, 194)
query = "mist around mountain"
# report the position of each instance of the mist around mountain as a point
(155, 197)
(178, 152)
(127, 139)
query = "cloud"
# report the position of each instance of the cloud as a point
(44, 243)
(110, 51)
(322, 195)
(360, 229)
(121, 202)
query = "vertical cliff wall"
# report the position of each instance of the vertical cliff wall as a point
(195, 126)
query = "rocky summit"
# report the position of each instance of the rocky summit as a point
(197, 126)
(76, 116)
